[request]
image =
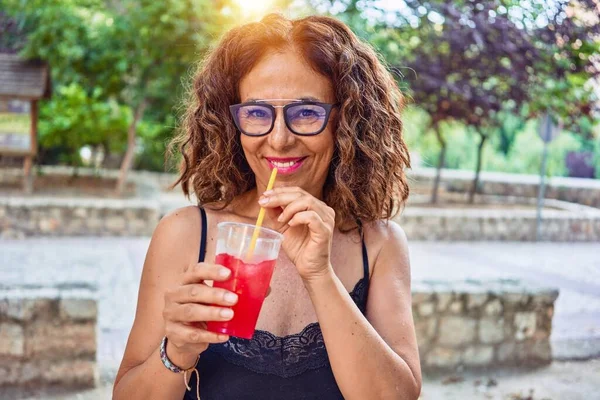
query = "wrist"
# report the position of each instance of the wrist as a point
(319, 280)
(181, 360)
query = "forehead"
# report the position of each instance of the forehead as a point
(285, 75)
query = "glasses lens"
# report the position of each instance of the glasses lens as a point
(255, 119)
(306, 118)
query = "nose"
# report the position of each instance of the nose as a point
(280, 137)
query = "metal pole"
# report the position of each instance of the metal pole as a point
(540, 199)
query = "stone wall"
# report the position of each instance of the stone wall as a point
(499, 225)
(574, 190)
(48, 336)
(22, 217)
(479, 324)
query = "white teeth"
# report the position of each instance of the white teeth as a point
(283, 164)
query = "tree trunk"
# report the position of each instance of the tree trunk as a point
(440, 164)
(473, 189)
(128, 159)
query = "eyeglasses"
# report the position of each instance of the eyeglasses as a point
(304, 118)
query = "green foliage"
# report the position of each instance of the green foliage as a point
(523, 157)
(134, 50)
(73, 119)
(154, 137)
(107, 57)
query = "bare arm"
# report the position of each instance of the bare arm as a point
(378, 357)
(170, 297)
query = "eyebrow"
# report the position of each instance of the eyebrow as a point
(305, 98)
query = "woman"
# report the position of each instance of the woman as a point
(305, 96)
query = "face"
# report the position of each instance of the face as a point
(301, 160)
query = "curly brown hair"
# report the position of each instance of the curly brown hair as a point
(366, 180)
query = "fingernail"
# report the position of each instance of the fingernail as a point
(230, 297)
(226, 313)
(224, 272)
(263, 201)
(280, 218)
(268, 193)
(223, 338)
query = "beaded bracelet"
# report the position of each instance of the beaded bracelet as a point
(174, 368)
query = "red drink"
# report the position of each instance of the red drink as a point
(250, 282)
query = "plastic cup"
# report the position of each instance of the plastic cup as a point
(249, 279)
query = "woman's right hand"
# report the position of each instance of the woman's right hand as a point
(188, 307)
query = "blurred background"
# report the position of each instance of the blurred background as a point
(502, 119)
(477, 74)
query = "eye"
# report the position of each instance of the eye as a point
(249, 112)
(307, 112)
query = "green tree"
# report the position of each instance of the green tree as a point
(137, 51)
(74, 119)
(477, 62)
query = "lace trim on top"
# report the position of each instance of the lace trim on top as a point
(284, 356)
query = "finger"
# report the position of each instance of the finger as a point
(195, 273)
(314, 222)
(192, 312)
(204, 294)
(272, 215)
(285, 189)
(305, 203)
(279, 199)
(181, 335)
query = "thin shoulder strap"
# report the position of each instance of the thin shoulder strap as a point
(202, 235)
(365, 255)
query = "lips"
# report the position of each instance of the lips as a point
(285, 165)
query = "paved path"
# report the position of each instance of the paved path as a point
(563, 380)
(115, 264)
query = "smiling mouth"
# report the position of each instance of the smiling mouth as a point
(286, 164)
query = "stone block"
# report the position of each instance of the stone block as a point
(443, 300)
(506, 353)
(541, 352)
(456, 307)
(425, 329)
(10, 372)
(478, 355)
(440, 357)
(66, 373)
(78, 309)
(94, 224)
(80, 212)
(12, 340)
(49, 225)
(26, 309)
(516, 299)
(420, 297)
(545, 298)
(524, 323)
(139, 227)
(494, 307)
(491, 330)
(59, 341)
(476, 300)
(426, 309)
(457, 330)
(116, 224)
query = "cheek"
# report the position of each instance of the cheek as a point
(249, 145)
(327, 145)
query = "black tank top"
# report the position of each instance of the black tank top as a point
(269, 367)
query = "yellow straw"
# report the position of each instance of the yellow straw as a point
(261, 216)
